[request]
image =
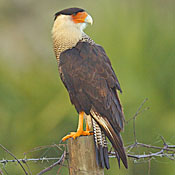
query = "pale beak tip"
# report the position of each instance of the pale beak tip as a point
(89, 20)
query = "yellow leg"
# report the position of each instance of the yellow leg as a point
(87, 127)
(80, 123)
(79, 130)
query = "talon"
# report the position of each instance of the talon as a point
(80, 131)
(74, 135)
(87, 133)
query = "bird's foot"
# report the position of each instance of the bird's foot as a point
(77, 134)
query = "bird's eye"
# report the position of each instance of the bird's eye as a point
(74, 14)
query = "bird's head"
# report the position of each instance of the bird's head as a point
(73, 18)
(68, 28)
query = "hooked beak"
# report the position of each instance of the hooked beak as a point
(82, 17)
(88, 20)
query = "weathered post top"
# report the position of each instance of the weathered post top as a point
(82, 157)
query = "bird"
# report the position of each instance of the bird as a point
(91, 82)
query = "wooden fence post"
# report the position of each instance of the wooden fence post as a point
(82, 158)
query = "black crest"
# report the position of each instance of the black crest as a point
(68, 11)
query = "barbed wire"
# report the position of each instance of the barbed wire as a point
(166, 150)
(24, 160)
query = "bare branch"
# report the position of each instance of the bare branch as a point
(1, 172)
(139, 111)
(5, 169)
(14, 158)
(53, 165)
(149, 167)
(151, 155)
(46, 146)
(164, 151)
(164, 142)
(28, 168)
(150, 152)
(152, 146)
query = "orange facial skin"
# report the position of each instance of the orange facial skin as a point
(79, 17)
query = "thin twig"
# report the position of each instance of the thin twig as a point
(151, 155)
(138, 110)
(171, 146)
(159, 151)
(53, 165)
(157, 154)
(164, 142)
(1, 172)
(151, 146)
(65, 150)
(149, 167)
(44, 147)
(5, 169)
(134, 118)
(60, 166)
(170, 153)
(27, 167)
(14, 158)
(134, 130)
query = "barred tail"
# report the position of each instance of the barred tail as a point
(100, 146)
(113, 136)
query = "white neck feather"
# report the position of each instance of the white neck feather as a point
(66, 30)
(66, 34)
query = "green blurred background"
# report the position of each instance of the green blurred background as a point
(139, 38)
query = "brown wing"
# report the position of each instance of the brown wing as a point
(87, 73)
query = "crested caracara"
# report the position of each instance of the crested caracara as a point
(90, 80)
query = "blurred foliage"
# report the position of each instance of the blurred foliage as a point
(139, 38)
